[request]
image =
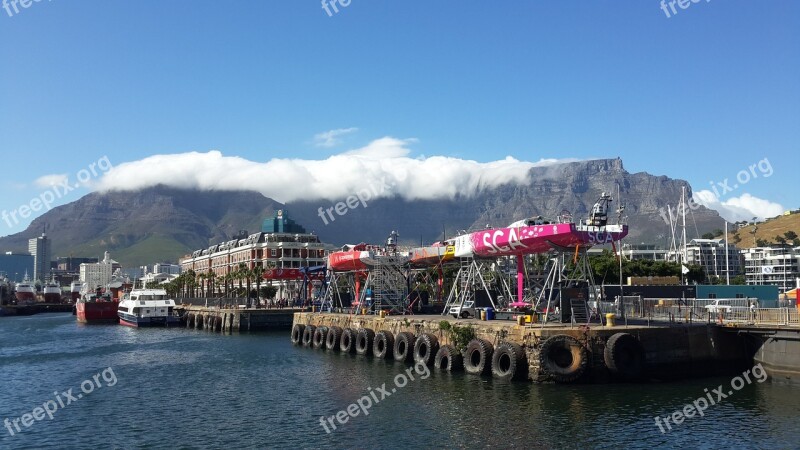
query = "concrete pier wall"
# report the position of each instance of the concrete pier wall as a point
(671, 351)
(236, 319)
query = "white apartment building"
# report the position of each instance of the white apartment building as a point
(778, 265)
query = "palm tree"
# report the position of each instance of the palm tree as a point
(258, 274)
(201, 281)
(210, 275)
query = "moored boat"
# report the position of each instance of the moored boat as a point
(96, 307)
(52, 291)
(147, 308)
(25, 291)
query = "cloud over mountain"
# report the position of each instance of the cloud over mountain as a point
(383, 166)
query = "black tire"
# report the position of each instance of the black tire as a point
(624, 356)
(364, 341)
(308, 335)
(404, 347)
(383, 345)
(478, 357)
(464, 315)
(563, 358)
(332, 339)
(347, 343)
(448, 359)
(509, 362)
(425, 348)
(297, 334)
(318, 341)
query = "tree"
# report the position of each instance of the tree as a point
(738, 280)
(708, 236)
(736, 238)
(780, 240)
(790, 235)
(796, 242)
(258, 274)
(718, 232)
(268, 292)
(762, 243)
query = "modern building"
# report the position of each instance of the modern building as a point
(290, 247)
(98, 274)
(15, 265)
(39, 248)
(644, 251)
(165, 268)
(713, 256)
(777, 265)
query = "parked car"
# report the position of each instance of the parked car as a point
(465, 312)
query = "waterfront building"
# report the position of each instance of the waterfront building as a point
(777, 265)
(710, 254)
(72, 264)
(281, 244)
(644, 251)
(98, 274)
(39, 248)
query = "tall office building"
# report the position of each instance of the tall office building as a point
(39, 248)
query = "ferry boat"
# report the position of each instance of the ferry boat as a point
(25, 291)
(147, 308)
(96, 307)
(52, 291)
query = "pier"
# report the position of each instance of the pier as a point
(563, 353)
(231, 318)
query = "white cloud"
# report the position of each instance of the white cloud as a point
(51, 180)
(735, 209)
(332, 138)
(383, 166)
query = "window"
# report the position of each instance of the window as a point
(739, 295)
(273, 252)
(712, 295)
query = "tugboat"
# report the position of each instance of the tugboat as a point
(75, 290)
(97, 307)
(147, 308)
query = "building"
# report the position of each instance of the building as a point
(710, 254)
(289, 248)
(72, 264)
(39, 248)
(98, 274)
(165, 268)
(644, 251)
(778, 266)
(15, 265)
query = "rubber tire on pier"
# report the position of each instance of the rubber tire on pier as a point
(347, 343)
(308, 335)
(478, 357)
(563, 358)
(448, 359)
(425, 348)
(404, 347)
(624, 356)
(383, 345)
(364, 341)
(297, 334)
(332, 339)
(318, 341)
(509, 362)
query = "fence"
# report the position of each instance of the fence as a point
(734, 310)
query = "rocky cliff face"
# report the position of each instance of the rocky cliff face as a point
(162, 223)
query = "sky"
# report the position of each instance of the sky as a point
(441, 97)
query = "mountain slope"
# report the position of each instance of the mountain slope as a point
(162, 223)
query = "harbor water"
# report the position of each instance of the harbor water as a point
(107, 386)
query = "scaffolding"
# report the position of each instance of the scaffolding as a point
(468, 281)
(569, 288)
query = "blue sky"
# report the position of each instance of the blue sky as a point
(700, 95)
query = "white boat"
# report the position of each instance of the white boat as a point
(25, 291)
(75, 290)
(147, 308)
(52, 291)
